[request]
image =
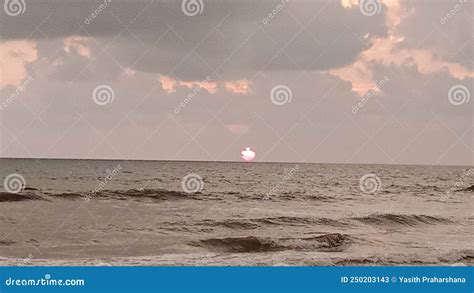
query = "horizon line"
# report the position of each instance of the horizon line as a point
(227, 161)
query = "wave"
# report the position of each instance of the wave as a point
(403, 220)
(155, 194)
(269, 221)
(470, 188)
(251, 244)
(457, 258)
(462, 256)
(14, 197)
(6, 242)
(31, 193)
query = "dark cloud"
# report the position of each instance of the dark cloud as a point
(156, 36)
(442, 26)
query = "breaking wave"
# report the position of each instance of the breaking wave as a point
(251, 244)
(399, 219)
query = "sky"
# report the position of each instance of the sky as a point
(346, 81)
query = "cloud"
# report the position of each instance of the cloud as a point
(443, 27)
(393, 50)
(14, 56)
(78, 45)
(238, 86)
(304, 35)
(169, 84)
(326, 52)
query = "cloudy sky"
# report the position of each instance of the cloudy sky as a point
(347, 81)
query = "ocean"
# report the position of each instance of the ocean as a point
(97, 212)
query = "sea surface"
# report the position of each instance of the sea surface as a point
(86, 212)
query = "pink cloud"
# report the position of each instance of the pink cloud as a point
(387, 51)
(238, 86)
(209, 86)
(14, 56)
(168, 84)
(78, 45)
